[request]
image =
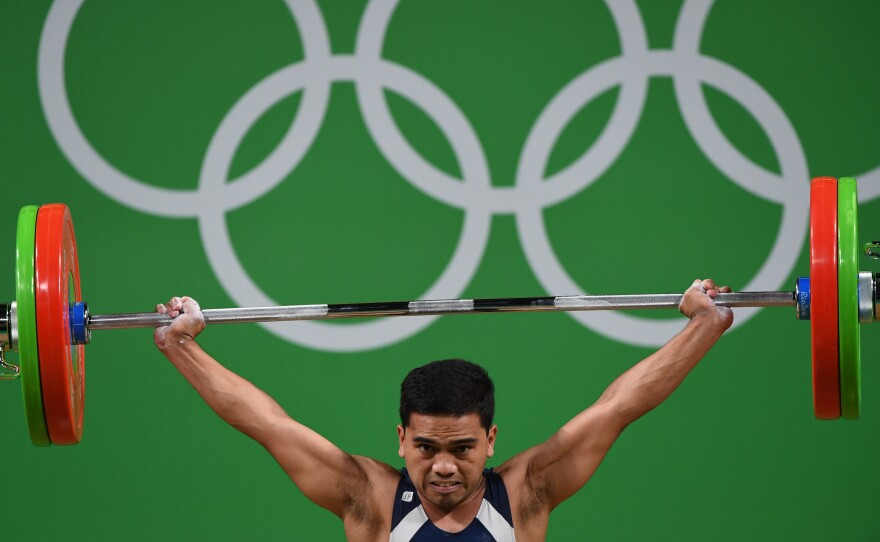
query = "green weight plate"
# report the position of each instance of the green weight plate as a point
(26, 316)
(848, 298)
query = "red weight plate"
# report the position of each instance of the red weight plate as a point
(62, 365)
(823, 302)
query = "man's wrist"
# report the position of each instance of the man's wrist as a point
(172, 340)
(710, 320)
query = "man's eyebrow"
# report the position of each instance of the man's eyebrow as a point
(457, 442)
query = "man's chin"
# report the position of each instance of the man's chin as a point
(446, 499)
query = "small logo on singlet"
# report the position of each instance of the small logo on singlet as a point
(406, 496)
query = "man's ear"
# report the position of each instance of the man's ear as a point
(401, 433)
(490, 438)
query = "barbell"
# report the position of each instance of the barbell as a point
(49, 324)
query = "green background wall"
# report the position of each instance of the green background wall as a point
(735, 454)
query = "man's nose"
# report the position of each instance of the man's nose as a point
(444, 465)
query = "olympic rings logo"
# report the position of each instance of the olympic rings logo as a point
(474, 193)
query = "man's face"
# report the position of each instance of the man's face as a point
(445, 456)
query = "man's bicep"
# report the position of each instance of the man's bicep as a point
(559, 467)
(325, 474)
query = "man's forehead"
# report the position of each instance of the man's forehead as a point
(444, 425)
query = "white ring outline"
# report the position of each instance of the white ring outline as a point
(322, 335)
(164, 201)
(789, 241)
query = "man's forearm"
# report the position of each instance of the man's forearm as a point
(234, 399)
(643, 387)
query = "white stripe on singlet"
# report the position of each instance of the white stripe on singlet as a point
(491, 519)
(408, 526)
(495, 523)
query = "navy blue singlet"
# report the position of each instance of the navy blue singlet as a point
(493, 523)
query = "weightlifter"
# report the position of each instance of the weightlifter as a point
(446, 437)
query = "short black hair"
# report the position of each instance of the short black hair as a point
(452, 387)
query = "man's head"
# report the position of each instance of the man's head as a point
(446, 433)
(452, 387)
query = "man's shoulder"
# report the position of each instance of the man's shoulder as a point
(525, 492)
(513, 471)
(373, 488)
(377, 472)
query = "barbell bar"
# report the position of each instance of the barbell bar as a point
(435, 307)
(49, 324)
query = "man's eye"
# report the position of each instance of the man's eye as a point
(427, 449)
(462, 450)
